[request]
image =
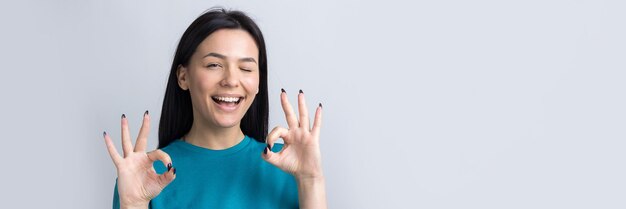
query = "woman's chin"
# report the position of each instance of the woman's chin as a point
(227, 122)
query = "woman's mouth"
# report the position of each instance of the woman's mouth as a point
(235, 100)
(227, 103)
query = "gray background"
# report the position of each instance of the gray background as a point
(428, 104)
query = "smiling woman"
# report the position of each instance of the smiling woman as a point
(223, 77)
(214, 148)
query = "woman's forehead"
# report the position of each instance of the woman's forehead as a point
(232, 43)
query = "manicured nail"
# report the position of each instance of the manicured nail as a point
(123, 115)
(301, 91)
(174, 171)
(104, 133)
(283, 90)
(320, 105)
(265, 150)
(145, 113)
(169, 166)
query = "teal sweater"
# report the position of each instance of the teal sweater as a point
(236, 177)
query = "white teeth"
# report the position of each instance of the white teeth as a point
(227, 99)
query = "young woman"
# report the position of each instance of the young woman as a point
(213, 147)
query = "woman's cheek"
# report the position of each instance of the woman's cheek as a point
(251, 84)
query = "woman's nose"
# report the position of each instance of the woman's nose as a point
(230, 78)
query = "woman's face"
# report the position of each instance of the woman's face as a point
(222, 77)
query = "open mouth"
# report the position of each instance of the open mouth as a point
(229, 101)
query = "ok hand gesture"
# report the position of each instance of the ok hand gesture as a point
(300, 155)
(137, 181)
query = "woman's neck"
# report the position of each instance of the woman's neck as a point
(203, 134)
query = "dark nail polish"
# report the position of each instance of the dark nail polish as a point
(145, 113)
(123, 115)
(301, 91)
(283, 90)
(269, 147)
(104, 133)
(320, 105)
(174, 171)
(169, 166)
(265, 151)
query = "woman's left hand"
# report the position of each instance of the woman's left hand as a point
(300, 155)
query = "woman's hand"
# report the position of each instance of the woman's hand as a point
(137, 181)
(300, 155)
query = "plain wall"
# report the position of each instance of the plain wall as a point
(428, 104)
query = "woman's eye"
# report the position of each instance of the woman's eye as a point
(246, 69)
(213, 65)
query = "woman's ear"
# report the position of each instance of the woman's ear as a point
(181, 74)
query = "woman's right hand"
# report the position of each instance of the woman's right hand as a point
(137, 181)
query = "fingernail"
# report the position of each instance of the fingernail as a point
(123, 115)
(320, 105)
(169, 166)
(174, 171)
(283, 90)
(265, 150)
(301, 91)
(104, 133)
(269, 147)
(145, 113)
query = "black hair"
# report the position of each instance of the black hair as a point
(177, 112)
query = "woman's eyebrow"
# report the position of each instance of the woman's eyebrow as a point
(247, 59)
(213, 54)
(221, 56)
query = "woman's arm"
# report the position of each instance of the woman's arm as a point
(301, 154)
(312, 193)
(142, 206)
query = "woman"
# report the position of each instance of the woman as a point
(212, 142)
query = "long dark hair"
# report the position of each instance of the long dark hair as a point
(177, 113)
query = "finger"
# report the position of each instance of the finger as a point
(142, 139)
(317, 123)
(271, 157)
(277, 132)
(127, 146)
(158, 154)
(268, 155)
(167, 177)
(115, 156)
(292, 121)
(304, 114)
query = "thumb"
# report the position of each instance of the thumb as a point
(270, 157)
(167, 177)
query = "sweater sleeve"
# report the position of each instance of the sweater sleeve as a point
(116, 197)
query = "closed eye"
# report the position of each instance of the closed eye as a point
(213, 65)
